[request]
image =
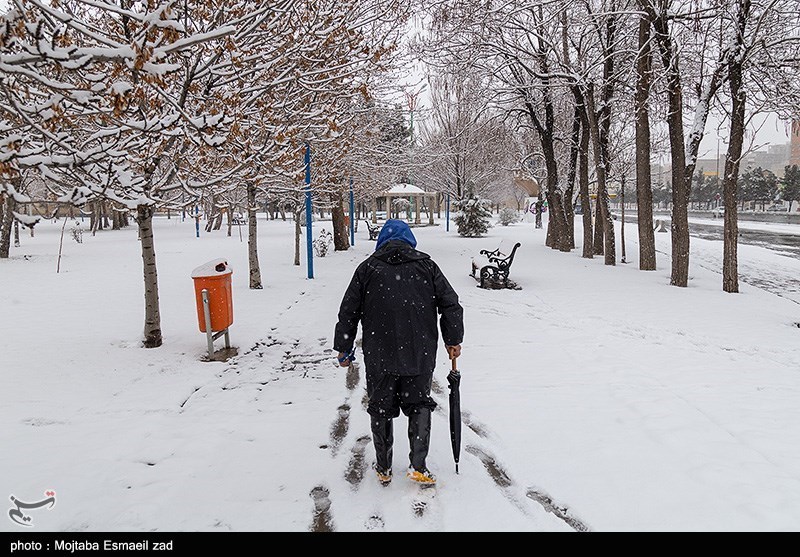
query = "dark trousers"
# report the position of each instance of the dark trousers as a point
(388, 394)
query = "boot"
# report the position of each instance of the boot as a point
(419, 437)
(383, 439)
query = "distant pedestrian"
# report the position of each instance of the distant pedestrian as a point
(397, 294)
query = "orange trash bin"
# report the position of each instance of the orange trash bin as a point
(214, 276)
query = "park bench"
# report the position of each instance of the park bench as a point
(492, 272)
(373, 230)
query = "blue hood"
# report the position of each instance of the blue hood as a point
(395, 230)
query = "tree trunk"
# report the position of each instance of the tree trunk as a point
(583, 182)
(557, 221)
(537, 207)
(557, 228)
(603, 219)
(152, 315)
(569, 210)
(548, 238)
(680, 191)
(298, 232)
(94, 218)
(6, 220)
(341, 241)
(104, 213)
(555, 207)
(644, 189)
(730, 270)
(16, 233)
(680, 196)
(624, 256)
(599, 241)
(603, 129)
(680, 154)
(252, 239)
(230, 219)
(115, 218)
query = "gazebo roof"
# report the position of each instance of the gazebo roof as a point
(405, 189)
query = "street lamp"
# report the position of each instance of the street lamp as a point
(309, 242)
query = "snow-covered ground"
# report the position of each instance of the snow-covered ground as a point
(776, 227)
(631, 404)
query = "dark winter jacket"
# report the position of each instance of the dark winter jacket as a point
(396, 294)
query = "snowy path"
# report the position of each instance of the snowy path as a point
(344, 494)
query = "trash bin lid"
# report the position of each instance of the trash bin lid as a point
(210, 269)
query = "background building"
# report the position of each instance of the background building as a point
(794, 157)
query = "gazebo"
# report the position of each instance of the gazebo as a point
(404, 191)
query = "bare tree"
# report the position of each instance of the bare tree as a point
(644, 190)
(762, 55)
(146, 101)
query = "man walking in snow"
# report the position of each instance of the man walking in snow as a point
(396, 294)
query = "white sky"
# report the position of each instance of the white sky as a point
(764, 129)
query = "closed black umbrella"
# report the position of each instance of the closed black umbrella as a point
(454, 381)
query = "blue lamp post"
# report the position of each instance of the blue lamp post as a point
(447, 213)
(309, 243)
(352, 216)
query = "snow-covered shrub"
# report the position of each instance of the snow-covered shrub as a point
(508, 216)
(77, 232)
(473, 216)
(323, 243)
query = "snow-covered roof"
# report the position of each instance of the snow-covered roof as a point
(404, 189)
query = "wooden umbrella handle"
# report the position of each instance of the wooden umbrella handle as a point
(452, 359)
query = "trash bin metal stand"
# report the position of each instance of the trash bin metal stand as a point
(207, 315)
(210, 335)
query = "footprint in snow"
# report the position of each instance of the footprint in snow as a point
(340, 427)
(375, 522)
(357, 467)
(322, 520)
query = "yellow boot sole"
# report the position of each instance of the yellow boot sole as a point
(420, 478)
